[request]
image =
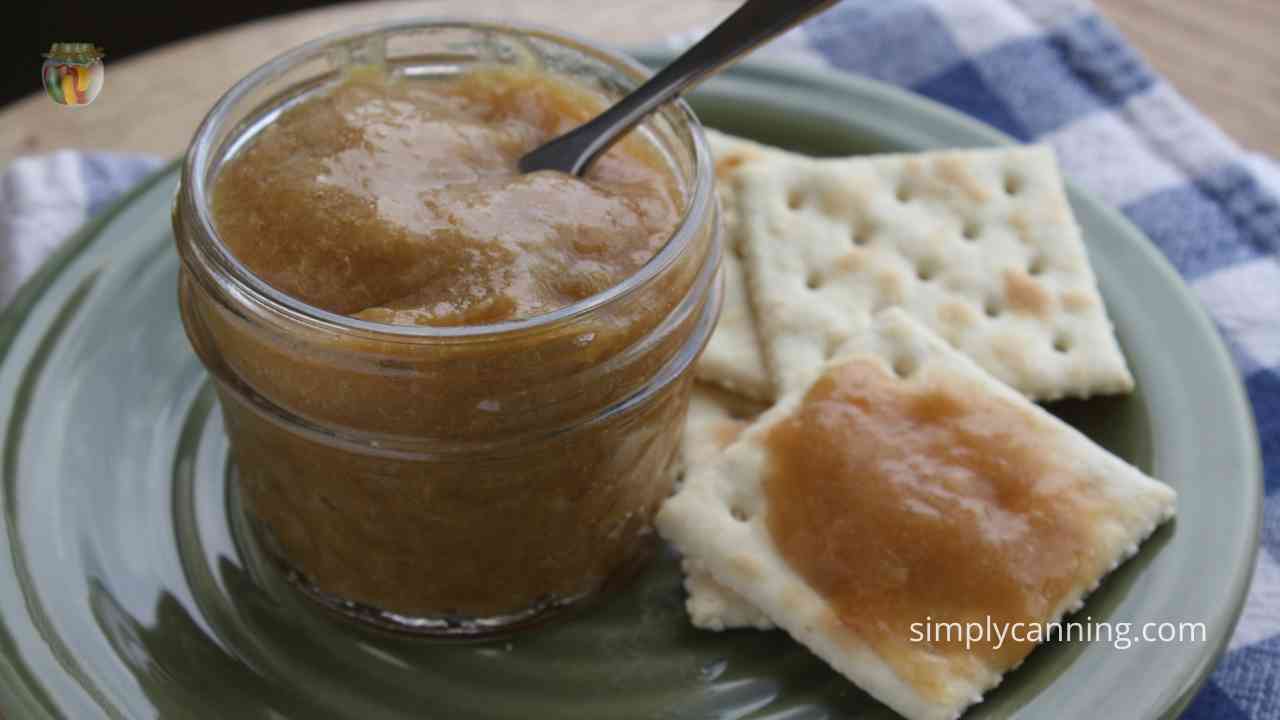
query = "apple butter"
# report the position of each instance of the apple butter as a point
(906, 503)
(400, 202)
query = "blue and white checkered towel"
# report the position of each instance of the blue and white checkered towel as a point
(1045, 70)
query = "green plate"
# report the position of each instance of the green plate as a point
(127, 589)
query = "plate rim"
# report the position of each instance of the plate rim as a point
(919, 112)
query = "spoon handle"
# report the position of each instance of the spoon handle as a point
(756, 22)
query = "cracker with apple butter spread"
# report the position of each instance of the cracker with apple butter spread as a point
(904, 484)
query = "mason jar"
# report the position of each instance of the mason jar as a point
(450, 481)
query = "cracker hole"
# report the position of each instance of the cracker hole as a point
(928, 269)
(1037, 265)
(795, 200)
(904, 366)
(992, 308)
(904, 193)
(740, 514)
(813, 281)
(971, 231)
(1062, 343)
(862, 234)
(1012, 184)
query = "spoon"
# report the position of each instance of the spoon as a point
(753, 24)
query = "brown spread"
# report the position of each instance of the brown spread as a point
(533, 472)
(401, 202)
(904, 503)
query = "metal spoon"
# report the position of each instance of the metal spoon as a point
(753, 24)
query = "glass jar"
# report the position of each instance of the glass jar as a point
(450, 481)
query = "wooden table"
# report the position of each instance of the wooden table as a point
(1222, 54)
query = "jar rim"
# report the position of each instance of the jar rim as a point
(248, 284)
